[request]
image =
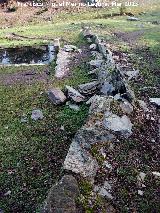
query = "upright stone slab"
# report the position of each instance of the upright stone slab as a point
(62, 196)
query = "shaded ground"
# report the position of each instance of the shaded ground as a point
(130, 37)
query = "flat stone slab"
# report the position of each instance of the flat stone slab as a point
(118, 124)
(62, 196)
(88, 88)
(80, 161)
(74, 94)
(56, 96)
(62, 68)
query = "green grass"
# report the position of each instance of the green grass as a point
(32, 153)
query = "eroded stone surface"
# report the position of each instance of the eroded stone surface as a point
(62, 196)
(99, 103)
(88, 88)
(118, 124)
(62, 68)
(80, 161)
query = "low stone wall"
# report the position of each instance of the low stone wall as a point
(110, 94)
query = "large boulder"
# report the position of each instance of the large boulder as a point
(56, 96)
(74, 94)
(62, 196)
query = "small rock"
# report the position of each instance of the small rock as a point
(155, 101)
(132, 74)
(143, 105)
(107, 165)
(69, 48)
(56, 96)
(87, 33)
(75, 95)
(157, 174)
(132, 18)
(140, 192)
(141, 176)
(73, 106)
(117, 97)
(104, 193)
(24, 119)
(99, 103)
(7, 193)
(62, 128)
(126, 107)
(95, 63)
(56, 44)
(88, 88)
(93, 47)
(37, 114)
(89, 40)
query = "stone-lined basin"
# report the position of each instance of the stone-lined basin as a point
(27, 55)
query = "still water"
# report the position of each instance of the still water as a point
(27, 55)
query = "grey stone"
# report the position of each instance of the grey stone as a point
(96, 55)
(126, 107)
(37, 114)
(56, 96)
(56, 44)
(24, 119)
(117, 97)
(88, 88)
(70, 48)
(132, 18)
(104, 190)
(95, 63)
(62, 67)
(87, 32)
(132, 74)
(90, 136)
(104, 76)
(74, 94)
(118, 124)
(107, 88)
(99, 104)
(143, 105)
(155, 101)
(62, 196)
(89, 40)
(80, 161)
(93, 47)
(73, 106)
